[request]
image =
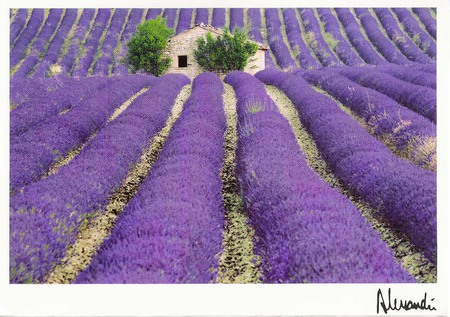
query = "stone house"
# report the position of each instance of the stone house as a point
(181, 49)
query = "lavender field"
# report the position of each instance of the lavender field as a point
(321, 168)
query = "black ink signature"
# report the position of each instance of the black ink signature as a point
(405, 304)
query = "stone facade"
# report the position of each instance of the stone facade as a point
(182, 46)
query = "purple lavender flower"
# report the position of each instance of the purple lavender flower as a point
(295, 39)
(389, 51)
(275, 39)
(74, 46)
(46, 217)
(406, 46)
(25, 38)
(403, 193)
(171, 231)
(428, 21)
(201, 16)
(236, 18)
(18, 25)
(343, 48)
(316, 41)
(33, 152)
(184, 20)
(306, 231)
(359, 42)
(218, 17)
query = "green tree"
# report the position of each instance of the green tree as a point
(145, 49)
(225, 53)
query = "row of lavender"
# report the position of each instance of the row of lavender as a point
(46, 214)
(85, 42)
(284, 208)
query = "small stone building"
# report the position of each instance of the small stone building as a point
(181, 49)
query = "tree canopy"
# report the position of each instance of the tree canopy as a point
(145, 49)
(225, 53)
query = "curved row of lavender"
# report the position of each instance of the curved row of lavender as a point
(26, 37)
(420, 37)
(201, 16)
(359, 42)
(254, 19)
(25, 89)
(316, 41)
(294, 35)
(275, 39)
(403, 193)
(410, 133)
(302, 225)
(170, 14)
(134, 19)
(343, 48)
(46, 216)
(236, 18)
(38, 46)
(43, 107)
(101, 67)
(90, 47)
(67, 62)
(184, 20)
(411, 75)
(171, 231)
(18, 25)
(427, 20)
(52, 54)
(415, 97)
(33, 152)
(386, 48)
(403, 42)
(218, 18)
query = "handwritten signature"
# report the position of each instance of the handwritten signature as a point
(399, 304)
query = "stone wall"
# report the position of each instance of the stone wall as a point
(185, 43)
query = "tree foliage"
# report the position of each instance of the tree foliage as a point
(225, 53)
(145, 49)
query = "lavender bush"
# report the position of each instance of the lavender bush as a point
(43, 107)
(153, 13)
(406, 46)
(411, 75)
(201, 16)
(33, 152)
(412, 27)
(62, 203)
(415, 97)
(428, 21)
(389, 51)
(67, 62)
(18, 25)
(295, 39)
(38, 49)
(218, 17)
(184, 20)
(402, 193)
(343, 49)
(316, 41)
(171, 231)
(52, 54)
(359, 42)
(303, 226)
(90, 47)
(110, 43)
(409, 133)
(275, 39)
(236, 18)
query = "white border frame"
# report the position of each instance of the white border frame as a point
(267, 299)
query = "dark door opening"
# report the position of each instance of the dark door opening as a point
(182, 61)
